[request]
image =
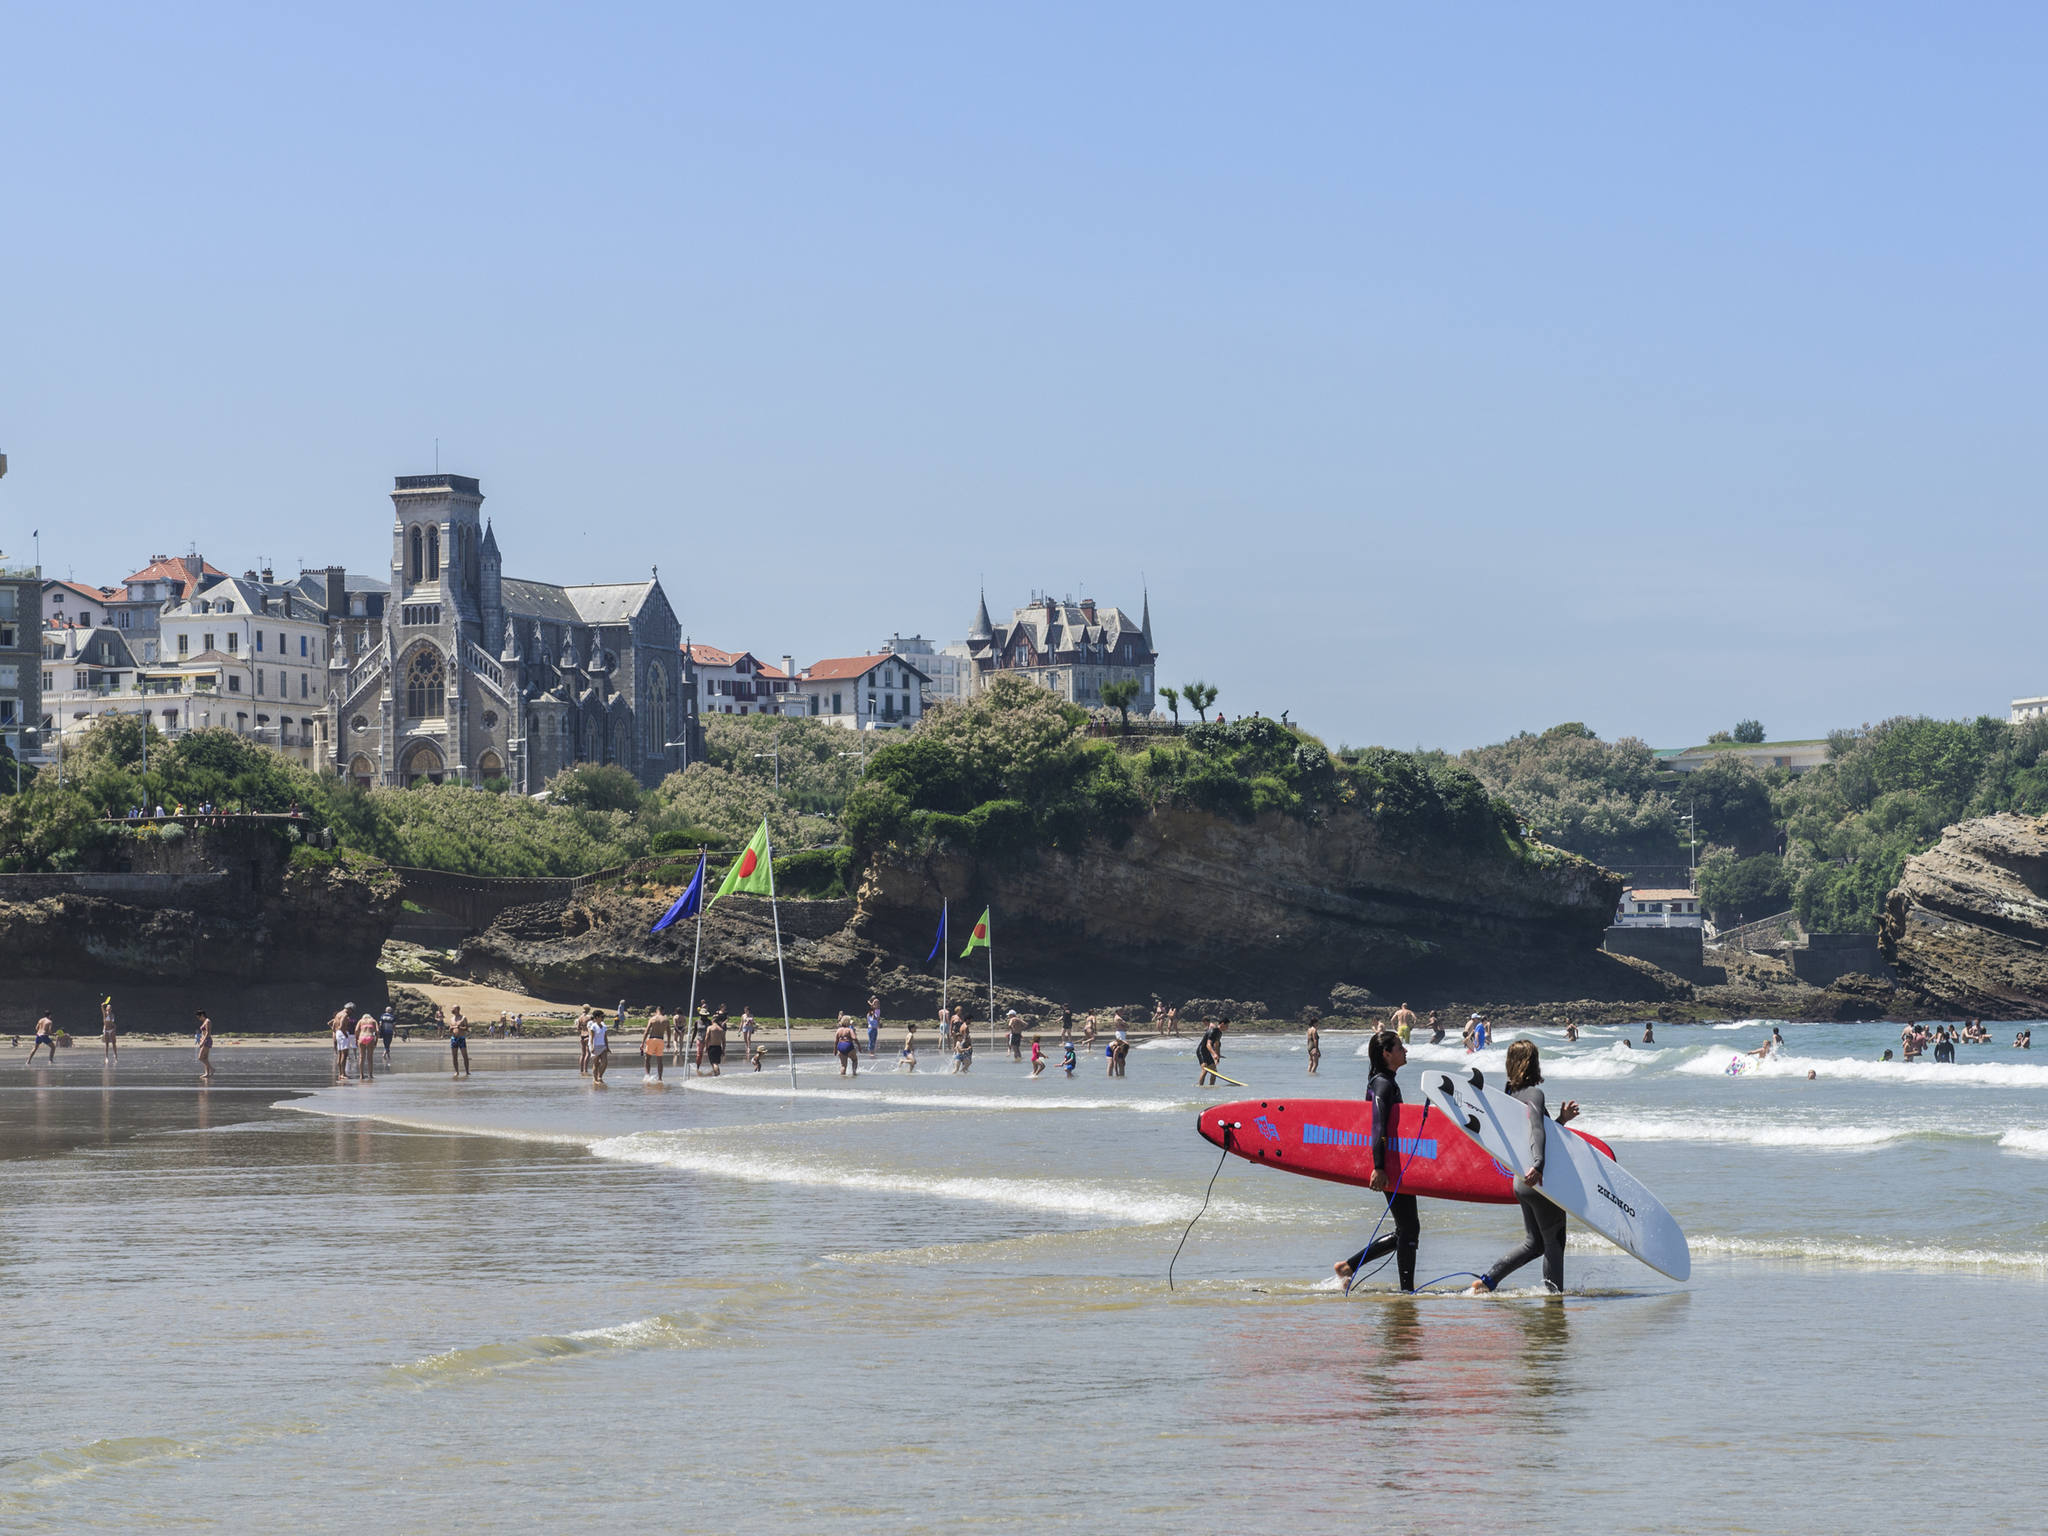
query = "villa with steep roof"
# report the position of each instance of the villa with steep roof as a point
(1071, 648)
(476, 676)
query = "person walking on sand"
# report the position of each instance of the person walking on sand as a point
(387, 1026)
(46, 1039)
(714, 1048)
(458, 1043)
(110, 1050)
(366, 1046)
(205, 1045)
(343, 1024)
(1315, 1051)
(654, 1044)
(583, 1039)
(1542, 1222)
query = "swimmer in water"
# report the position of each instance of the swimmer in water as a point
(1542, 1222)
(1571, 1030)
(1387, 1055)
(1649, 1033)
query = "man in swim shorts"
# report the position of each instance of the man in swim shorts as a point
(714, 1047)
(46, 1039)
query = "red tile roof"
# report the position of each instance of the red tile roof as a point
(168, 568)
(90, 594)
(838, 668)
(712, 656)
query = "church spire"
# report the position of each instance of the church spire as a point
(1145, 623)
(983, 629)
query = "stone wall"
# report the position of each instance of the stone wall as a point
(1826, 957)
(1677, 950)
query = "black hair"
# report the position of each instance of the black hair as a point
(1376, 1050)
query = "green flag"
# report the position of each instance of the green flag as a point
(979, 938)
(752, 871)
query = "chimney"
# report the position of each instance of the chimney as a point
(1088, 609)
(337, 591)
(269, 576)
(193, 566)
(788, 666)
(248, 575)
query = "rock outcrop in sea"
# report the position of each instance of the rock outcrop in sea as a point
(1967, 924)
(1193, 906)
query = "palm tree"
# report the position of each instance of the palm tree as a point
(1118, 696)
(1172, 697)
(1200, 696)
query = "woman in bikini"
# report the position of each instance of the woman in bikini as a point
(366, 1046)
(109, 1049)
(205, 1045)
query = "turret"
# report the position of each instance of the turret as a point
(490, 590)
(983, 629)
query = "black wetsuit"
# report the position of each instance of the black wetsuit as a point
(1542, 1222)
(1385, 1095)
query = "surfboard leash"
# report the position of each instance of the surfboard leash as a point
(1373, 1236)
(1228, 1127)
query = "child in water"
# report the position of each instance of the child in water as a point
(1037, 1055)
(1067, 1061)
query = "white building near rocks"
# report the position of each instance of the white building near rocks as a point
(1659, 908)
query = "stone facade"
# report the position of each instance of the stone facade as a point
(1071, 648)
(477, 676)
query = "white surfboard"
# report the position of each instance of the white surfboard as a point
(1577, 1176)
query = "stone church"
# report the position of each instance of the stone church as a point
(478, 676)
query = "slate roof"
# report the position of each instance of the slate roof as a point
(540, 600)
(610, 603)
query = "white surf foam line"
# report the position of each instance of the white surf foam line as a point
(1063, 1197)
(1967, 1073)
(908, 1097)
(444, 1127)
(1868, 1255)
(2034, 1141)
(1617, 1060)
(1621, 1129)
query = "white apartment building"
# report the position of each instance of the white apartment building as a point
(738, 682)
(882, 692)
(948, 669)
(250, 656)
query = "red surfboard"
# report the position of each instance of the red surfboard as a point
(1332, 1139)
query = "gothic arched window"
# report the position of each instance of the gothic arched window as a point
(657, 713)
(413, 564)
(433, 554)
(426, 684)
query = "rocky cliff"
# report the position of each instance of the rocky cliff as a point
(1968, 923)
(1281, 911)
(228, 925)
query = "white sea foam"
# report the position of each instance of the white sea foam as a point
(2025, 1140)
(1063, 1197)
(1769, 1133)
(1978, 1073)
(1617, 1060)
(1870, 1255)
(446, 1127)
(1045, 1093)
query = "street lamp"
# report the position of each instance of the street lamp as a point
(778, 768)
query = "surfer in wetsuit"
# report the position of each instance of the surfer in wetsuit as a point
(1387, 1055)
(1542, 1222)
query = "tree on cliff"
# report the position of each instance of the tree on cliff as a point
(1200, 696)
(1118, 696)
(1606, 800)
(1172, 697)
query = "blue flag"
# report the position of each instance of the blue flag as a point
(940, 942)
(687, 904)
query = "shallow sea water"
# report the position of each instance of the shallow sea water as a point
(928, 1303)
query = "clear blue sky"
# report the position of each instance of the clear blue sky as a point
(1448, 371)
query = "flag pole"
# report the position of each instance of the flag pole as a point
(991, 990)
(788, 1039)
(698, 955)
(945, 967)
